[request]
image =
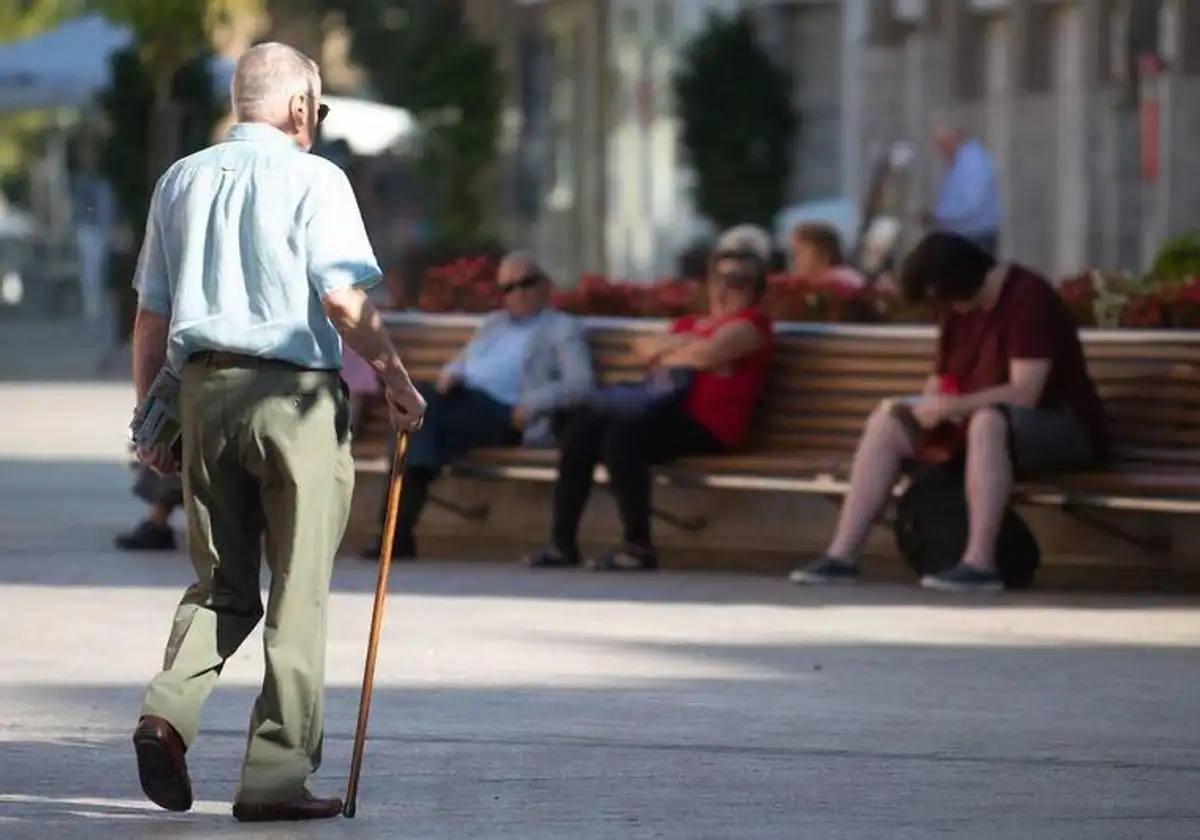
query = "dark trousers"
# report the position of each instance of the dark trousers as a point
(155, 489)
(454, 423)
(628, 448)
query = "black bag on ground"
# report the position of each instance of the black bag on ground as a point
(931, 528)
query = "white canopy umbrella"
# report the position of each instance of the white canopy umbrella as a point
(61, 68)
(370, 128)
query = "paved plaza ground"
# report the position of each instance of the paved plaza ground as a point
(513, 705)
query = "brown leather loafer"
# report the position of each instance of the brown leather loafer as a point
(303, 807)
(162, 768)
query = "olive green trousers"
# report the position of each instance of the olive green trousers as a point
(267, 472)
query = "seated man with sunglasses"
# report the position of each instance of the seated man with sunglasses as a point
(525, 364)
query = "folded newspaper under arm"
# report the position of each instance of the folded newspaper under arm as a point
(156, 420)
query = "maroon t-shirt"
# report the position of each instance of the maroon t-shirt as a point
(1029, 321)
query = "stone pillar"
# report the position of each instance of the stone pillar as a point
(854, 32)
(1072, 153)
(999, 91)
(1034, 149)
(1174, 199)
(926, 75)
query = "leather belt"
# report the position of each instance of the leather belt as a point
(219, 359)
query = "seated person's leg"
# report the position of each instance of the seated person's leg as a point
(882, 450)
(631, 447)
(581, 438)
(989, 483)
(455, 422)
(475, 419)
(424, 460)
(426, 445)
(1001, 442)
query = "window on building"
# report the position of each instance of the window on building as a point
(664, 21)
(631, 21)
(967, 32)
(1035, 61)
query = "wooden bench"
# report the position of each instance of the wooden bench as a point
(827, 379)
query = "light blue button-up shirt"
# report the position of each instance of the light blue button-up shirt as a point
(494, 362)
(969, 203)
(243, 240)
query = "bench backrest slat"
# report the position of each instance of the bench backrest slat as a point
(824, 383)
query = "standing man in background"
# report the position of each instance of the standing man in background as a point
(255, 262)
(969, 200)
(94, 214)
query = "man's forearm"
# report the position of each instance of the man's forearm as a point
(1008, 394)
(358, 322)
(150, 331)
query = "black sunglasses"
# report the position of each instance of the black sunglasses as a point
(529, 281)
(322, 113)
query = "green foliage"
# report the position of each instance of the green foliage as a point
(737, 122)
(23, 134)
(129, 103)
(1179, 259)
(22, 18)
(421, 55)
(172, 32)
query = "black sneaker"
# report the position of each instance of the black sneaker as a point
(551, 558)
(148, 536)
(825, 570)
(963, 578)
(404, 547)
(625, 559)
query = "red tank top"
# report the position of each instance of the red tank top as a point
(723, 400)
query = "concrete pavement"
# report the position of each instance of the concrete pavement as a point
(513, 705)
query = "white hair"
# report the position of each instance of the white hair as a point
(266, 79)
(747, 238)
(523, 257)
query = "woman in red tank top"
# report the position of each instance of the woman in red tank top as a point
(729, 352)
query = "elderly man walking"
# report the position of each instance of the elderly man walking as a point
(252, 271)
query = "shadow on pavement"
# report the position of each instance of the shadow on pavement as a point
(58, 520)
(881, 741)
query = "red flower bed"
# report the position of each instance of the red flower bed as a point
(466, 285)
(596, 295)
(1097, 299)
(1094, 298)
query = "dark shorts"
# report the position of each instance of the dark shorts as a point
(1040, 441)
(1043, 441)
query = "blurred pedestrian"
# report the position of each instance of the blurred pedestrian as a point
(93, 211)
(253, 270)
(163, 494)
(969, 200)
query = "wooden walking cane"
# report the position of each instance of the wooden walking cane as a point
(395, 486)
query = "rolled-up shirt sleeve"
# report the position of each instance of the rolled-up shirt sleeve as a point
(152, 279)
(339, 252)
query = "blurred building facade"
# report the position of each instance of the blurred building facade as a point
(1096, 150)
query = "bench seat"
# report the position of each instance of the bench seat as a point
(827, 378)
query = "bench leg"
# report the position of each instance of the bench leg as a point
(470, 512)
(683, 523)
(1155, 544)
